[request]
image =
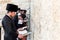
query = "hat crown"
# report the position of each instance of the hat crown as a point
(12, 7)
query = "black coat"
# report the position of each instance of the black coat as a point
(9, 28)
(16, 21)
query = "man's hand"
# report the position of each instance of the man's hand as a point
(20, 36)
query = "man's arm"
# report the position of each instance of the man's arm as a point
(8, 28)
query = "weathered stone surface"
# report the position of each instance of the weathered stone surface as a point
(44, 17)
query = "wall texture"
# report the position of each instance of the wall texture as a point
(44, 17)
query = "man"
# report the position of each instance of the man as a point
(8, 23)
(23, 15)
(19, 22)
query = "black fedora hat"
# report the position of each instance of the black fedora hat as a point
(11, 7)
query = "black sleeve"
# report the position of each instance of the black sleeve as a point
(16, 20)
(8, 28)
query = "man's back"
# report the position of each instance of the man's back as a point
(10, 31)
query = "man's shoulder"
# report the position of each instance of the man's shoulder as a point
(5, 18)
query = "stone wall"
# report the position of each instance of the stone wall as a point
(44, 17)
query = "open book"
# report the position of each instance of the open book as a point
(27, 34)
(24, 32)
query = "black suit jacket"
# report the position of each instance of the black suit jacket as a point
(9, 28)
